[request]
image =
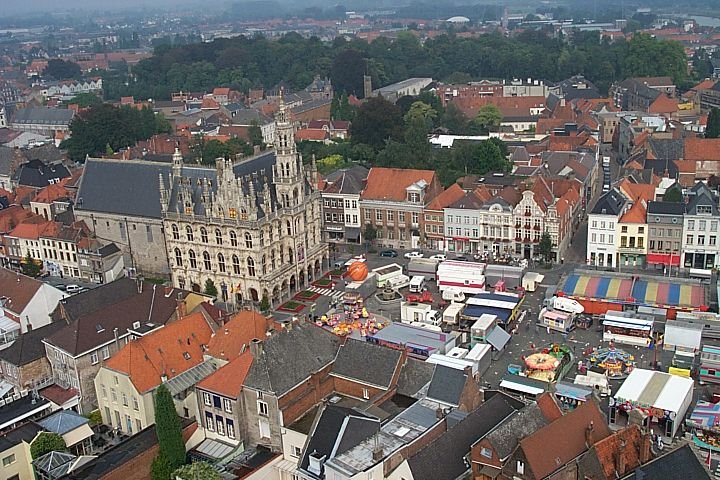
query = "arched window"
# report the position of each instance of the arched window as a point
(236, 264)
(175, 232)
(206, 261)
(282, 257)
(203, 235)
(289, 228)
(178, 258)
(272, 259)
(248, 240)
(221, 263)
(218, 236)
(263, 264)
(270, 233)
(279, 230)
(251, 267)
(193, 261)
(262, 238)
(233, 238)
(189, 233)
(290, 255)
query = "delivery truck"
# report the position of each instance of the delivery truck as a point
(419, 312)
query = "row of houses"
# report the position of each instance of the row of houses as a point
(631, 226)
(408, 209)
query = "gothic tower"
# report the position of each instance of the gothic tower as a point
(288, 177)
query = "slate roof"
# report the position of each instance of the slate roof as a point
(38, 174)
(7, 155)
(346, 180)
(329, 425)
(506, 437)
(447, 385)
(11, 412)
(444, 458)
(610, 203)
(665, 208)
(289, 357)
(701, 195)
(91, 316)
(680, 463)
(63, 421)
(414, 375)
(470, 202)
(43, 116)
(664, 152)
(578, 86)
(366, 362)
(24, 433)
(132, 187)
(29, 347)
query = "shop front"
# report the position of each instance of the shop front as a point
(699, 260)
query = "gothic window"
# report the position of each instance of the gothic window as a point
(221, 263)
(243, 214)
(236, 264)
(289, 228)
(262, 238)
(251, 267)
(175, 232)
(263, 264)
(295, 197)
(218, 236)
(232, 213)
(290, 255)
(233, 238)
(203, 235)
(178, 258)
(206, 261)
(279, 230)
(193, 261)
(272, 260)
(281, 255)
(189, 233)
(248, 240)
(270, 232)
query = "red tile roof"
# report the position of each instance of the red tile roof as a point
(209, 104)
(557, 444)
(14, 215)
(626, 443)
(664, 104)
(637, 191)
(170, 350)
(228, 379)
(316, 135)
(221, 91)
(32, 231)
(446, 198)
(57, 394)
(636, 214)
(230, 340)
(51, 193)
(390, 183)
(549, 407)
(697, 148)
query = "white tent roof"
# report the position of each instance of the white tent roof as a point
(683, 334)
(655, 389)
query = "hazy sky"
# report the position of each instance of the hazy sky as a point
(42, 6)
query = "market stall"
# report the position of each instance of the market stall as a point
(704, 423)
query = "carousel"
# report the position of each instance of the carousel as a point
(353, 319)
(615, 362)
(547, 364)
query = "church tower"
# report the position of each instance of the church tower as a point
(288, 175)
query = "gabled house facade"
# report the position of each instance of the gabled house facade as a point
(340, 192)
(665, 231)
(602, 223)
(700, 229)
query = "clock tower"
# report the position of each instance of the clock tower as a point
(288, 175)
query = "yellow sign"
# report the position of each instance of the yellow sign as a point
(680, 372)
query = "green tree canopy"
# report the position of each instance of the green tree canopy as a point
(84, 100)
(169, 434)
(673, 194)
(30, 266)
(195, 471)
(62, 70)
(488, 117)
(210, 288)
(545, 246)
(713, 124)
(421, 111)
(47, 442)
(376, 121)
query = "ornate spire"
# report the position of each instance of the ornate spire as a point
(177, 161)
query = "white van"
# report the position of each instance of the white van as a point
(417, 283)
(452, 294)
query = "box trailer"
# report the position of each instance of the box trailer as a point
(427, 267)
(531, 280)
(451, 315)
(386, 273)
(467, 277)
(419, 312)
(397, 282)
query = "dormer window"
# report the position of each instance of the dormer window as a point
(413, 197)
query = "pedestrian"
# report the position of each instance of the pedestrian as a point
(548, 329)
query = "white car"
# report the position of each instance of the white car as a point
(440, 257)
(413, 255)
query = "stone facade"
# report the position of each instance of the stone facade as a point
(252, 228)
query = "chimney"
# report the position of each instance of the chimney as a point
(620, 459)
(645, 445)
(589, 434)
(117, 338)
(439, 413)
(181, 305)
(256, 347)
(377, 454)
(164, 378)
(316, 462)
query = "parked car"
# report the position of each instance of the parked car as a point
(60, 286)
(439, 256)
(461, 258)
(414, 254)
(388, 253)
(72, 288)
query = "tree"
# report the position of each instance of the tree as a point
(256, 136)
(347, 71)
(47, 442)
(673, 194)
(713, 124)
(454, 120)
(210, 288)
(421, 111)
(488, 117)
(84, 100)
(30, 266)
(196, 470)
(376, 121)
(264, 303)
(169, 434)
(370, 233)
(545, 246)
(62, 70)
